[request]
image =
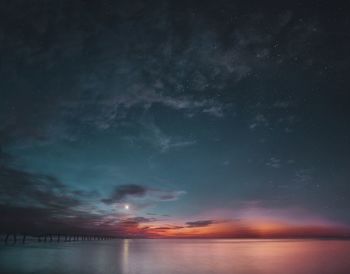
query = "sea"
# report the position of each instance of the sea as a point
(174, 256)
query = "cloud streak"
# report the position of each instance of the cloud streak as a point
(122, 193)
(203, 223)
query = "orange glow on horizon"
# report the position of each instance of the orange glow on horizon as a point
(242, 229)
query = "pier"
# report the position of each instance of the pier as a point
(15, 238)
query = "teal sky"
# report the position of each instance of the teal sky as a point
(180, 110)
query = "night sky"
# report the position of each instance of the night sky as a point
(175, 118)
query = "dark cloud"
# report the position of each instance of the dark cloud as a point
(38, 203)
(168, 227)
(24, 188)
(202, 223)
(136, 220)
(133, 226)
(123, 192)
(166, 195)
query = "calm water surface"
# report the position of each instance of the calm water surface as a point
(179, 256)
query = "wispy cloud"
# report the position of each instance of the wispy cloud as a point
(162, 141)
(274, 162)
(259, 120)
(303, 177)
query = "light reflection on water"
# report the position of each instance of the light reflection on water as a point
(125, 256)
(179, 257)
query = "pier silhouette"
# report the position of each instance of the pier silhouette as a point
(14, 238)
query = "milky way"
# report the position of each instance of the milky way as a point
(207, 119)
